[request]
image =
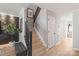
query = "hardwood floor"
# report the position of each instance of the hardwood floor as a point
(7, 50)
(64, 48)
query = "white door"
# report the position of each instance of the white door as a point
(51, 31)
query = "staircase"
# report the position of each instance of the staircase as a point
(37, 45)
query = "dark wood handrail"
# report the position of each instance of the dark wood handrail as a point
(36, 14)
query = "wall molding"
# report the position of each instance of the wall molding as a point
(40, 37)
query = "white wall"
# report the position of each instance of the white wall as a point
(52, 28)
(76, 30)
(41, 26)
(22, 34)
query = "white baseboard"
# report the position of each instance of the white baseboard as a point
(40, 37)
(75, 49)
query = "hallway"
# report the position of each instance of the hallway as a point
(61, 49)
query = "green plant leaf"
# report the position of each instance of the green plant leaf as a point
(11, 29)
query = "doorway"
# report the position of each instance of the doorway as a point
(70, 33)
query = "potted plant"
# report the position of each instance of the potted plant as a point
(11, 30)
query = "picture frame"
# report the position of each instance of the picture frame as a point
(29, 13)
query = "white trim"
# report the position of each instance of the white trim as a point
(41, 39)
(75, 49)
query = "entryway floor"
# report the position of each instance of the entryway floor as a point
(62, 49)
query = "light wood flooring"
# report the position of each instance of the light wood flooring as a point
(7, 50)
(64, 48)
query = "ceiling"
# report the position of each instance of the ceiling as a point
(58, 8)
(12, 8)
